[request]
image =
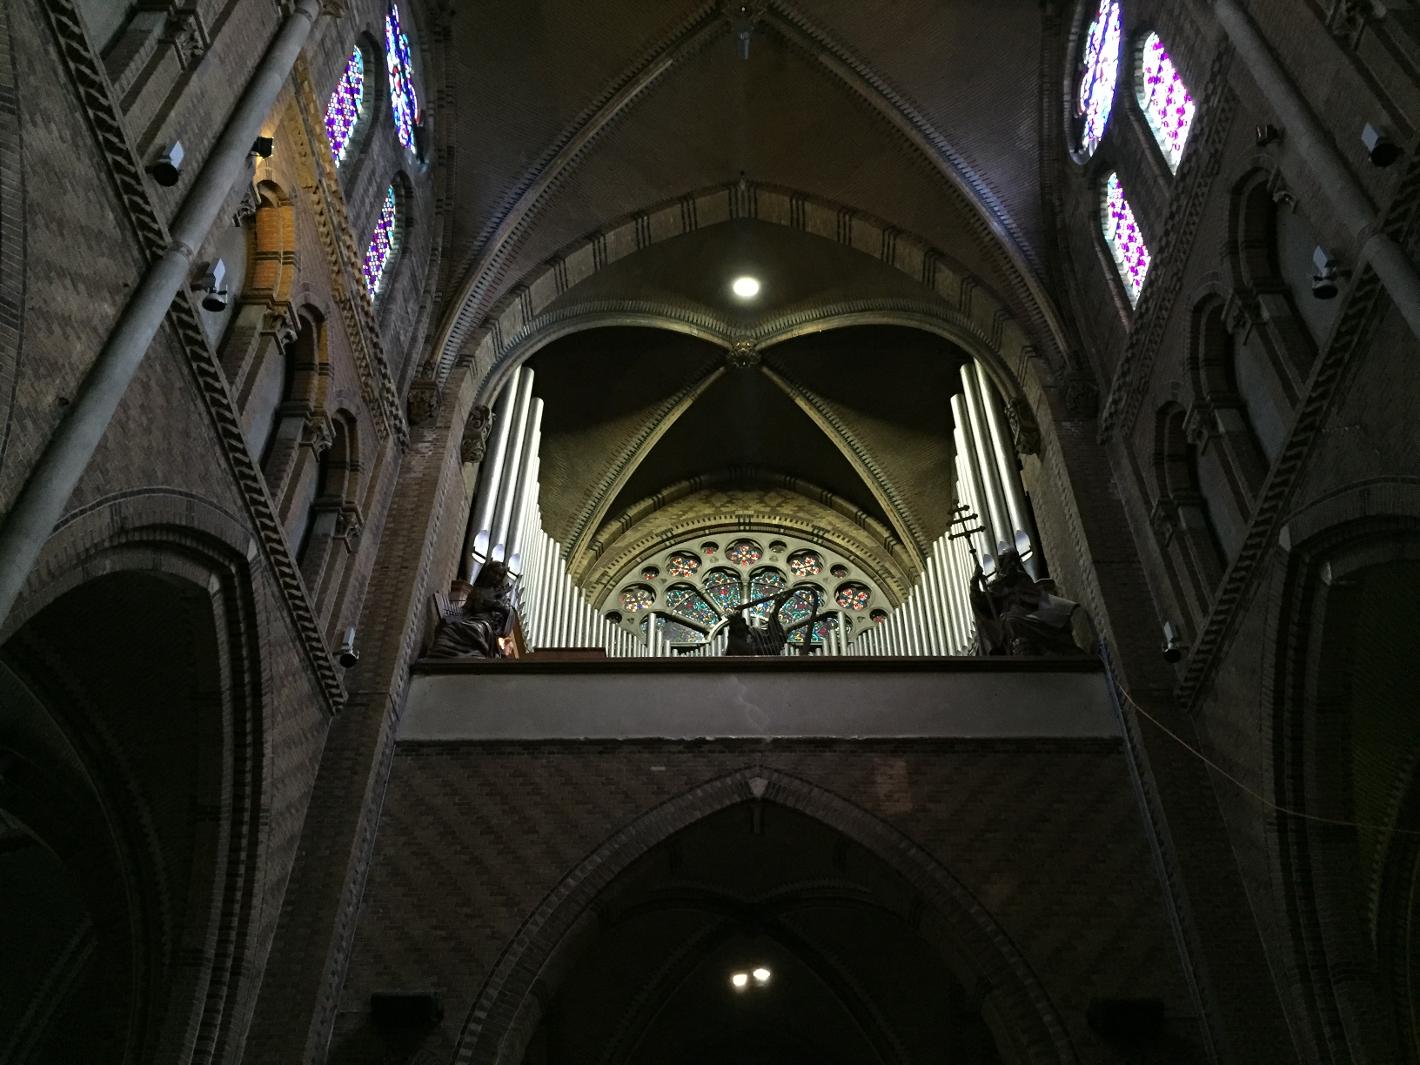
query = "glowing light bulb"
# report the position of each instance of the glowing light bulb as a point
(746, 288)
(740, 980)
(761, 975)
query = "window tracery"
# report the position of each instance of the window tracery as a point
(1099, 72)
(382, 244)
(1164, 99)
(404, 101)
(346, 107)
(1123, 238)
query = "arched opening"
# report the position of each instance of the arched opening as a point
(119, 742)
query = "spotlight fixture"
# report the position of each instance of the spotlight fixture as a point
(1380, 149)
(166, 166)
(1325, 281)
(740, 981)
(263, 147)
(1173, 643)
(746, 288)
(761, 975)
(213, 283)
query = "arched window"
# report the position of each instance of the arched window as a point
(1164, 99)
(1122, 235)
(346, 107)
(686, 600)
(404, 102)
(1099, 71)
(382, 244)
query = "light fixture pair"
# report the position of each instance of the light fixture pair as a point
(741, 980)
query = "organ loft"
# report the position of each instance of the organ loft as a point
(732, 532)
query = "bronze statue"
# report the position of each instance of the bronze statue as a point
(473, 629)
(1016, 616)
(745, 640)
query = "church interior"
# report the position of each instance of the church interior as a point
(740, 532)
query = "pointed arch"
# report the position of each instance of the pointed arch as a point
(1026, 1018)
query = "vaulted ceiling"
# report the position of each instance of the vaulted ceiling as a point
(636, 105)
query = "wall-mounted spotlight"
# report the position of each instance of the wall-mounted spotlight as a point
(213, 284)
(166, 166)
(1325, 282)
(349, 655)
(1173, 643)
(1380, 149)
(262, 147)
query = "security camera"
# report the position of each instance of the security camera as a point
(1380, 149)
(1324, 281)
(348, 654)
(166, 167)
(213, 283)
(1173, 644)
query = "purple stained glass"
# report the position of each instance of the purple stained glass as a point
(404, 102)
(637, 598)
(382, 243)
(1099, 71)
(1164, 99)
(346, 105)
(1126, 243)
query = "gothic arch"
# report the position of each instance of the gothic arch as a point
(192, 906)
(1345, 999)
(1024, 1016)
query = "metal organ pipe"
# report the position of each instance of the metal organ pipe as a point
(526, 484)
(490, 476)
(994, 499)
(512, 466)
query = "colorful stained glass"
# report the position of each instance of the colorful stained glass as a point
(687, 601)
(852, 596)
(725, 588)
(806, 601)
(404, 101)
(744, 553)
(382, 244)
(822, 628)
(682, 564)
(636, 598)
(878, 616)
(1099, 71)
(839, 570)
(347, 104)
(650, 573)
(1126, 242)
(708, 548)
(805, 563)
(764, 582)
(1164, 99)
(675, 632)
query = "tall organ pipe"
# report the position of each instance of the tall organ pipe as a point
(1006, 465)
(512, 467)
(478, 540)
(995, 500)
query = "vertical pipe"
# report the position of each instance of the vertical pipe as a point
(527, 487)
(995, 500)
(969, 484)
(512, 466)
(1005, 455)
(478, 539)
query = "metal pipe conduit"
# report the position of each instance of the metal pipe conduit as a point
(46, 491)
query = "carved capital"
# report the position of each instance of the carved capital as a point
(475, 434)
(743, 355)
(188, 36)
(1200, 424)
(1163, 519)
(280, 322)
(1025, 433)
(245, 212)
(423, 403)
(318, 433)
(1082, 398)
(349, 524)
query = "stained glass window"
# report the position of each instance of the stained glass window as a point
(764, 582)
(806, 601)
(686, 601)
(404, 103)
(1099, 71)
(382, 243)
(673, 631)
(744, 553)
(682, 564)
(1164, 99)
(650, 573)
(1121, 233)
(805, 563)
(822, 628)
(637, 598)
(347, 104)
(851, 596)
(724, 588)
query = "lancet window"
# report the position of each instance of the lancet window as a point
(346, 107)
(1123, 237)
(1164, 99)
(404, 101)
(1099, 72)
(382, 244)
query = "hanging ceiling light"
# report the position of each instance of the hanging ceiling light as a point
(746, 288)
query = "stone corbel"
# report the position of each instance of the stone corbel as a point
(1200, 424)
(280, 322)
(247, 206)
(318, 433)
(1163, 519)
(423, 403)
(1277, 189)
(1025, 432)
(349, 524)
(188, 36)
(474, 443)
(1082, 398)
